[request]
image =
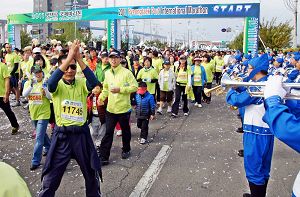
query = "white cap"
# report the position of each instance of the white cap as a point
(28, 48)
(37, 50)
(144, 54)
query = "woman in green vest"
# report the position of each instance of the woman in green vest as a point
(209, 70)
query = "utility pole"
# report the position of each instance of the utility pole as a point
(296, 23)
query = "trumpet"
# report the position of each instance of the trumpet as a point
(226, 81)
(218, 89)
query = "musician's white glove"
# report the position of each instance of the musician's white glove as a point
(274, 87)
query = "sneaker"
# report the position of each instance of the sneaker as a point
(143, 141)
(174, 115)
(159, 111)
(16, 104)
(34, 167)
(186, 114)
(125, 155)
(196, 104)
(33, 135)
(26, 106)
(14, 130)
(239, 130)
(169, 110)
(119, 133)
(241, 153)
(199, 105)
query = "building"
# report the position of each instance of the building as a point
(42, 31)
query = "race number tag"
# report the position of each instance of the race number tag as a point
(182, 76)
(94, 110)
(197, 78)
(35, 98)
(72, 110)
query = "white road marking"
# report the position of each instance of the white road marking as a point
(146, 182)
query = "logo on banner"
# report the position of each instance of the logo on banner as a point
(232, 8)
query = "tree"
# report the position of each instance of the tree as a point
(156, 43)
(275, 36)
(237, 43)
(69, 33)
(25, 39)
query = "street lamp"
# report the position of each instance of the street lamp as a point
(75, 6)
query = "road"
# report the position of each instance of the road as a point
(203, 160)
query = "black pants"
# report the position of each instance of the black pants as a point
(208, 85)
(175, 108)
(143, 124)
(9, 113)
(197, 93)
(107, 140)
(218, 77)
(157, 99)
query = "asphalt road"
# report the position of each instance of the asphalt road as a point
(203, 161)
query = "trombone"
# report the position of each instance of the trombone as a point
(226, 81)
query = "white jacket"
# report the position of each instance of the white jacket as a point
(171, 80)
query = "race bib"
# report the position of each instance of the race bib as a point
(94, 110)
(182, 76)
(197, 78)
(35, 99)
(72, 110)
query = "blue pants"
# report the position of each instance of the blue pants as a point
(41, 140)
(258, 150)
(77, 144)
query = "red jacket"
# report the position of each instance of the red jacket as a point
(101, 109)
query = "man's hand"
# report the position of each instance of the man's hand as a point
(100, 102)
(115, 90)
(152, 117)
(43, 92)
(74, 49)
(6, 98)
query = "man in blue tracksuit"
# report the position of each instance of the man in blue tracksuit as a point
(284, 120)
(257, 140)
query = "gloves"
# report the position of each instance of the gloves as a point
(147, 80)
(33, 81)
(274, 87)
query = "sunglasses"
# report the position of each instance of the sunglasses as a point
(72, 66)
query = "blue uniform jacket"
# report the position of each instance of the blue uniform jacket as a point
(254, 109)
(283, 124)
(145, 105)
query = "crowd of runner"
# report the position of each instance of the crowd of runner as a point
(83, 92)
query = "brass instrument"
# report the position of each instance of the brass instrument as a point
(226, 81)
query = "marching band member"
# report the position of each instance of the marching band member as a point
(289, 114)
(275, 68)
(257, 140)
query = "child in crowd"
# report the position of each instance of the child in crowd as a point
(96, 116)
(167, 84)
(145, 110)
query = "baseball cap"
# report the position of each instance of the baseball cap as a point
(167, 62)
(114, 53)
(104, 54)
(37, 50)
(36, 69)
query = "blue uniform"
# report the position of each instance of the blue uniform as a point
(258, 140)
(289, 132)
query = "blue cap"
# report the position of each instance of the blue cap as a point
(246, 62)
(114, 53)
(297, 57)
(167, 62)
(270, 58)
(296, 53)
(280, 60)
(248, 56)
(238, 57)
(259, 64)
